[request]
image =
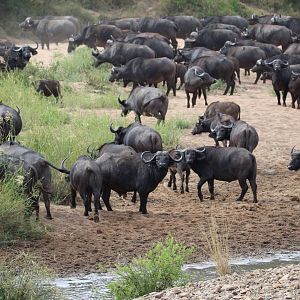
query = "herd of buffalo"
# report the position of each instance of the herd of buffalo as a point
(144, 52)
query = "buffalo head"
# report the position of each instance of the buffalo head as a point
(193, 154)
(125, 108)
(27, 24)
(116, 74)
(119, 134)
(201, 126)
(162, 159)
(294, 164)
(74, 41)
(277, 64)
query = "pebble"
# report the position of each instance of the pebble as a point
(281, 283)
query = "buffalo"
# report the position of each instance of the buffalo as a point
(36, 169)
(10, 123)
(185, 25)
(293, 49)
(85, 178)
(294, 164)
(48, 87)
(131, 24)
(147, 70)
(289, 22)
(294, 87)
(225, 164)
(147, 101)
(139, 137)
(95, 35)
(238, 21)
(52, 29)
(265, 19)
(164, 27)
(239, 134)
(195, 81)
(140, 172)
(119, 53)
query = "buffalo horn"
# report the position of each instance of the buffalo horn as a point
(122, 102)
(227, 126)
(292, 151)
(198, 74)
(147, 161)
(295, 74)
(37, 45)
(17, 50)
(71, 39)
(200, 151)
(95, 52)
(285, 62)
(180, 158)
(18, 110)
(113, 130)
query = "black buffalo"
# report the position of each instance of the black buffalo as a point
(131, 24)
(139, 137)
(287, 21)
(195, 81)
(294, 87)
(86, 178)
(52, 29)
(239, 134)
(10, 123)
(225, 164)
(185, 25)
(238, 21)
(164, 27)
(140, 173)
(49, 87)
(294, 164)
(119, 53)
(95, 35)
(147, 101)
(147, 70)
(265, 19)
(293, 49)
(36, 169)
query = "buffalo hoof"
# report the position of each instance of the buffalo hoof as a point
(96, 218)
(174, 188)
(212, 197)
(48, 217)
(169, 184)
(182, 192)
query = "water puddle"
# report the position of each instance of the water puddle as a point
(94, 286)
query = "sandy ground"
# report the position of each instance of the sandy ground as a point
(76, 244)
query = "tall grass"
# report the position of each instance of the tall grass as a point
(217, 244)
(13, 205)
(23, 279)
(159, 269)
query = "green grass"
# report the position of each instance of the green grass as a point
(23, 279)
(159, 269)
(13, 204)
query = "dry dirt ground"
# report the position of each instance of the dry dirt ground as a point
(76, 244)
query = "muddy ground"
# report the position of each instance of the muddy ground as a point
(76, 244)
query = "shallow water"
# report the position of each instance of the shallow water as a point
(94, 286)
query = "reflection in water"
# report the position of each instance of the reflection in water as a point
(94, 286)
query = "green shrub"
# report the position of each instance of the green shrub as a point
(13, 205)
(23, 279)
(158, 270)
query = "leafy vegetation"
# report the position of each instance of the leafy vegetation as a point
(13, 205)
(23, 279)
(159, 269)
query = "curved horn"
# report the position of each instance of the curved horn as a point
(295, 74)
(200, 151)
(18, 109)
(37, 45)
(88, 150)
(285, 62)
(95, 52)
(17, 50)
(147, 161)
(180, 158)
(227, 126)
(292, 151)
(122, 102)
(113, 130)
(198, 74)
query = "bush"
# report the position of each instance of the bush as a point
(23, 279)
(13, 205)
(158, 270)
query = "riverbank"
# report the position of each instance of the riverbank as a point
(277, 283)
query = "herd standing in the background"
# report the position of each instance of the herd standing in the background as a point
(144, 51)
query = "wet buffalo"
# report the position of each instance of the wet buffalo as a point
(49, 87)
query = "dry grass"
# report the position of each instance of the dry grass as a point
(216, 237)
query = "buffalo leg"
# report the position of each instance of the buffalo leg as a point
(181, 84)
(138, 118)
(85, 199)
(211, 189)
(232, 86)
(244, 188)
(199, 93)
(143, 202)
(180, 173)
(97, 206)
(194, 98)
(133, 199)
(294, 98)
(46, 196)
(188, 99)
(238, 74)
(199, 186)
(254, 189)
(105, 197)
(187, 177)
(278, 96)
(284, 94)
(205, 96)
(73, 198)
(257, 77)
